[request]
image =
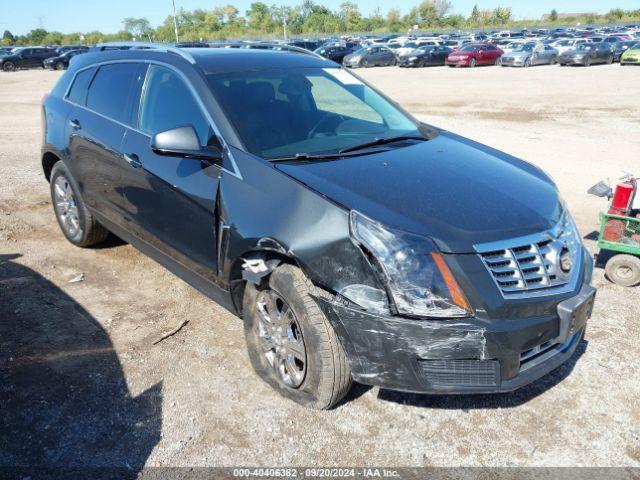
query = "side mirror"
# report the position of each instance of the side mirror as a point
(184, 142)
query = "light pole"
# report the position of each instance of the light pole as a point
(175, 21)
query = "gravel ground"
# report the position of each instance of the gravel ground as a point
(83, 383)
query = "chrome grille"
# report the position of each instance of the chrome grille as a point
(532, 264)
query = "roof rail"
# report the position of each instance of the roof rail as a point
(272, 46)
(146, 46)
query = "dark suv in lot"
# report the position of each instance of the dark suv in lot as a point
(26, 57)
(354, 241)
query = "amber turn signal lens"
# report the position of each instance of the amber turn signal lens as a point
(454, 289)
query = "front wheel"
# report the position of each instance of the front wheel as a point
(472, 63)
(610, 60)
(291, 344)
(527, 63)
(9, 67)
(59, 66)
(75, 220)
(623, 270)
(587, 62)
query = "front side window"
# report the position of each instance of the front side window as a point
(168, 103)
(110, 90)
(281, 113)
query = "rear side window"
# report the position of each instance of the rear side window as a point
(78, 92)
(110, 90)
(168, 103)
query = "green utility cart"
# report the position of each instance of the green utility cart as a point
(621, 236)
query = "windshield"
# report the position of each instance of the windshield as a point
(410, 45)
(313, 111)
(583, 46)
(524, 48)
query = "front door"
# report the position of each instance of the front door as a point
(170, 201)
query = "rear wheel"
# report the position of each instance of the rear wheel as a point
(553, 61)
(59, 66)
(291, 344)
(75, 220)
(472, 63)
(623, 270)
(8, 66)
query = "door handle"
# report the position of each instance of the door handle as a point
(75, 124)
(133, 160)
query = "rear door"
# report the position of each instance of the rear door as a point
(170, 201)
(97, 125)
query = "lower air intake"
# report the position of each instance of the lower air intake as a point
(455, 373)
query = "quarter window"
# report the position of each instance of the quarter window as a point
(110, 90)
(168, 103)
(78, 91)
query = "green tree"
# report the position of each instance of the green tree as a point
(8, 38)
(350, 16)
(53, 38)
(139, 28)
(394, 20)
(553, 16)
(36, 36)
(474, 18)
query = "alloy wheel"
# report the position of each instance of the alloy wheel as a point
(281, 339)
(8, 66)
(66, 206)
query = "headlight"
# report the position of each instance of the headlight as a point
(417, 277)
(413, 59)
(356, 58)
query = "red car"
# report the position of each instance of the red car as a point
(475, 54)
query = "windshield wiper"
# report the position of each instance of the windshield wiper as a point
(382, 141)
(305, 157)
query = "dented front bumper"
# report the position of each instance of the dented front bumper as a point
(457, 356)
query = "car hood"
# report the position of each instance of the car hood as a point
(455, 191)
(572, 52)
(519, 54)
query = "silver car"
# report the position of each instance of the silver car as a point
(529, 54)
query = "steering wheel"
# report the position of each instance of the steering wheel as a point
(327, 124)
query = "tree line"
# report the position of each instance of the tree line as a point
(309, 18)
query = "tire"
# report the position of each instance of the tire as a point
(364, 63)
(610, 60)
(420, 63)
(527, 63)
(9, 67)
(326, 376)
(499, 62)
(472, 63)
(587, 62)
(74, 219)
(553, 61)
(623, 270)
(59, 66)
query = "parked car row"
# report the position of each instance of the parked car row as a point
(39, 57)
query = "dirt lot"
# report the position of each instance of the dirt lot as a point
(83, 383)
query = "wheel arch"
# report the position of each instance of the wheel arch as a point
(256, 265)
(49, 159)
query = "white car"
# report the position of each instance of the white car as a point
(409, 47)
(567, 44)
(511, 46)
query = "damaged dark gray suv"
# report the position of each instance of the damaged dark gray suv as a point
(355, 242)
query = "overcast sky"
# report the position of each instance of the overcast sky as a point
(20, 16)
